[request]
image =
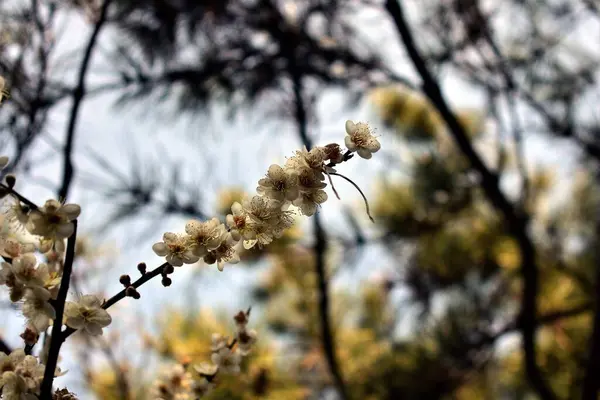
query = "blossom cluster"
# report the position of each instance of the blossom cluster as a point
(21, 376)
(192, 382)
(27, 230)
(296, 186)
(36, 283)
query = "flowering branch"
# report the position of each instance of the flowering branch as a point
(124, 293)
(256, 222)
(59, 306)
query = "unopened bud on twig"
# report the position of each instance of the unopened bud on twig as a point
(131, 292)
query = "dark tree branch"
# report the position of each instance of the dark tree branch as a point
(320, 245)
(517, 223)
(591, 383)
(78, 95)
(4, 347)
(59, 306)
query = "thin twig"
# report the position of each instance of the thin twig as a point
(122, 294)
(78, 95)
(359, 191)
(517, 223)
(59, 306)
(332, 185)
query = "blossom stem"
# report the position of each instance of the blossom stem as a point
(359, 190)
(122, 294)
(57, 339)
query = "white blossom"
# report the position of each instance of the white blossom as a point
(8, 278)
(240, 225)
(205, 236)
(9, 362)
(87, 314)
(309, 201)
(173, 383)
(36, 308)
(13, 248)
(53, 221)
(227, 360)
(32, 372)
(225, 253)
(15, 388)
(25, 270)
(176, 249)
(361, 140)
(279, 184)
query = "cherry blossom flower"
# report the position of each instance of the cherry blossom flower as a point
(9, 362)
(36, 308)
(53, 221)
(205, 236)
(227, 360)
(16, 387)
(225, 253)
(87, 314)
(279, 184)
(361, 140)
(176, 249)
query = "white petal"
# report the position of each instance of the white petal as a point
(174, 260)
(248, 244)
(350, 127)
(308, 208)
(89, 300)
(189, 258)
(102, 318)
(373, 146)
(65, 230)
(160, 249)
(169, 237)
(236, 208)
(349, 143)
(364, 153)
(71, 211)
(93, 329)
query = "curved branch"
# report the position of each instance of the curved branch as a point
(78, 95)
(517, 223)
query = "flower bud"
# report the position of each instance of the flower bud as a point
(166, 281)
(169, 269)
(30, 336)
(11, 180)
(142, 268)
(125, 280)
(131, 292)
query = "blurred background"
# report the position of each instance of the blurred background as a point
(479, 278)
